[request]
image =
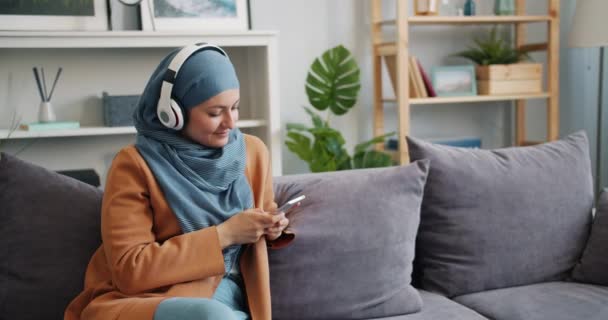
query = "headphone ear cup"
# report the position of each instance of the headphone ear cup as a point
(178, 114)
(165, 115)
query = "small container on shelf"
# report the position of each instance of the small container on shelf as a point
(504, 7)
(470, 8)
(515, 78)
(426, 7)
(447, 8)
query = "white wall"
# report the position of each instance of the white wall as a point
(302, 25)
(309, 27)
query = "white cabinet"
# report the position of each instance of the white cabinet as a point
(119, 63)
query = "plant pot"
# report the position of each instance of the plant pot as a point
(497, 79)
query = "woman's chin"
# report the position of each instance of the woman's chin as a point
(218, 142)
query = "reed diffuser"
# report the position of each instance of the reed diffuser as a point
(45, 110)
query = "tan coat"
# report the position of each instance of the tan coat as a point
(145, 258)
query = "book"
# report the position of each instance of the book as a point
(418, 76)
(43, 126)
(412, 83)
(413, 78)
(427, 81)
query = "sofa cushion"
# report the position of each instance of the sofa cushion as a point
(49, 228)
(499, 218)
(352, 256)
(593, 267)
(438, 307)
(546, 301)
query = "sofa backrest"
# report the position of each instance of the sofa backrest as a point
(354, 244)
(500, 218)
(49, 229)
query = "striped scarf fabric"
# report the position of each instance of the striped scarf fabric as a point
(203, 186)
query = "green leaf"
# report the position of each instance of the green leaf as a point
(296, 126)
(333, 81)
(493, 49)
(372, 159)
(316, 119)
(299, 144)
(361, 147)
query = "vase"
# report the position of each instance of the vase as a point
(447, 8)
(469, 8)
(45, 112)
(504, 7)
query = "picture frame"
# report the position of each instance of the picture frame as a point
(165, 15)
(449, 81)
(52, 15)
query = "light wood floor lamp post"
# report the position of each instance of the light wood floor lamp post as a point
(589, 29)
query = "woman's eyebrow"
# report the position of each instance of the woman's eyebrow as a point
(223, 107)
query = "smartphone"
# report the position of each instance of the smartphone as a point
(289, 204)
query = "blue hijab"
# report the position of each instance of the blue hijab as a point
(204, 186)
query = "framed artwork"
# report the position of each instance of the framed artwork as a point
(45, 15)
(454, 81)
(195, 15)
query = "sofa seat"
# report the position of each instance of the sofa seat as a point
(437, 307)
(545, 301)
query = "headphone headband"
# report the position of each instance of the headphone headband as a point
(169, 112)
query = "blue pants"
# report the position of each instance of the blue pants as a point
(228, 303)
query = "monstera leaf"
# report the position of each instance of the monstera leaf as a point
(333, 81)
(332, 84)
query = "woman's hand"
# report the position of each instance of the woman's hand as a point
(275, 231)
(246, 227)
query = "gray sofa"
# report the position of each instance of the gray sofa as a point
(485, 234)
(457, 234)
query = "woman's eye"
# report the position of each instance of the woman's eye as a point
(214, 114)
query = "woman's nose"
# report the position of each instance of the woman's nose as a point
(228, 120)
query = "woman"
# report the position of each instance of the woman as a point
(187, 213)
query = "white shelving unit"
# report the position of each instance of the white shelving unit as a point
(97, 131)
(119, 62)
(131, 39)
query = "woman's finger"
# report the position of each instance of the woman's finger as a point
(284, 222)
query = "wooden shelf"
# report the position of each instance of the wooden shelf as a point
(443, 100)
(390, 51)
(129, 39)
(386, 48)
(98, 131)
(437, 20)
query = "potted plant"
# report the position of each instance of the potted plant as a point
(332, 85)
(501, 68)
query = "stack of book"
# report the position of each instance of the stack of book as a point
(420, 83)
(44, 126)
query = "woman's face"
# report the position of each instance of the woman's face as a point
(210, 122)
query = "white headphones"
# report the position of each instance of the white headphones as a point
(169, 111)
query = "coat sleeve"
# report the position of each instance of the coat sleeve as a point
(137, 261)
(269, 204)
